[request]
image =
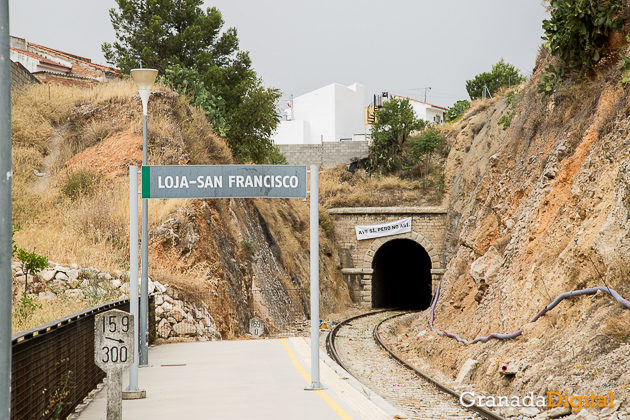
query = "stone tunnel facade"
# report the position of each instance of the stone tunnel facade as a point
(428, 229)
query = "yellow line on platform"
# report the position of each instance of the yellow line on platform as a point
(324, 396)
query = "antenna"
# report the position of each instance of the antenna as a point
(426, 90)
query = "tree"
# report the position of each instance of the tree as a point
(394, 122)
(160, 33)
(422, 147)
(457, 110)
(188, 82)
(31, 263)
(502, 74)
(187, 45)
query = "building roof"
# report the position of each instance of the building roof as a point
(426, 103)
(40, 58)
(83, 60)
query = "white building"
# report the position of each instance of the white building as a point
(332, 113)
(426, 111)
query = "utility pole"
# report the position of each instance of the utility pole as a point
(6, 227)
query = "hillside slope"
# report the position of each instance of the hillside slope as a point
(238, 257)
(536, 210)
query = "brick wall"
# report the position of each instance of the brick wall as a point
(327, 154)
(428, 227)
(428, 222)
(20, 76)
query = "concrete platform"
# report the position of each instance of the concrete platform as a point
(248, 380)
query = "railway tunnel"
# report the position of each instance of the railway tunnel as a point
(402, 276)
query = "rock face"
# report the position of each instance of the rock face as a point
(536, 210)
(246, 259)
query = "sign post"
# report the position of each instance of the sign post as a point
(133, 392)
(114, 350)
(314, 240)
(256, 327)
(247, 181)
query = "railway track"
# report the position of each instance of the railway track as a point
(356, 345)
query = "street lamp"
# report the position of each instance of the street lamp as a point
(144, 79)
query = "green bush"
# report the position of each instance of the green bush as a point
(578, 30)
(424, 144)
(510, 100)
(25, 308)
(502, 74)
(80, 183)
(188, 82)
(457, 110)
(550, 80)
(577, 33)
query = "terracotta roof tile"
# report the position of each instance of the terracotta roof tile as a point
(41, 59)
(75, 57)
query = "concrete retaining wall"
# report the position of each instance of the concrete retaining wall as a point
(327, 154)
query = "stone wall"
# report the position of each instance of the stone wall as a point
(327, 154)
(175, 317)
(428, 228)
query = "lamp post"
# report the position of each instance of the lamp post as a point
(144, 79)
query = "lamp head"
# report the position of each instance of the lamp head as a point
(144, 78)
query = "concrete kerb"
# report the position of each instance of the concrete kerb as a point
(347, 378)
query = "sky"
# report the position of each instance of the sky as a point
(399, 46)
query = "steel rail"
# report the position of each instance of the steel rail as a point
(332, 352)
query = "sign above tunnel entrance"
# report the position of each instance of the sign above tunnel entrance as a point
(224, 181)
(385, 229)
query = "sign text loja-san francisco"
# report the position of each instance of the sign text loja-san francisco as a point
(224, 181)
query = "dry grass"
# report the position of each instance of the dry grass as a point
(619, 326)
(188, 288)
(92, 230)
(46, 311)
(340, 188)
(160, 210)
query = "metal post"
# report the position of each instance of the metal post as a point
(144, 286)
(314, 222)
(6, 249)
(133, 274)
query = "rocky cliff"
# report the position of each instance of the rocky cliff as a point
(537, 209)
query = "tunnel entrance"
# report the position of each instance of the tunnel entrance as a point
(402, 276)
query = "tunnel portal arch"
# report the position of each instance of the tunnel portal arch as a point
(401, 275)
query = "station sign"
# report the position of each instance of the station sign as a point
(224, 181)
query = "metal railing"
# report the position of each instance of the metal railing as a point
(52, 366)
